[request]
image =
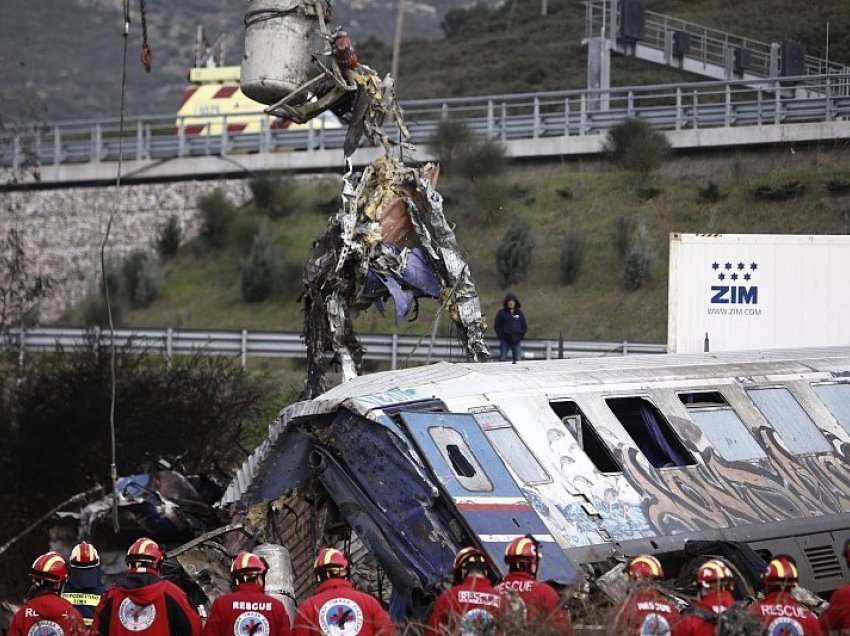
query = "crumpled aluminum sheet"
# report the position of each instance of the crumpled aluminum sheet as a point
(338, 270)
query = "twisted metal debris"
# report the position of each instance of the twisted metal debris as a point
(390, 239)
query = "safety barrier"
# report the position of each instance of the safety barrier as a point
(397, 349)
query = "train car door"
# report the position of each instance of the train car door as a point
(473, 476)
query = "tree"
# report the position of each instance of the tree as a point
(513, 255)
(637, 146)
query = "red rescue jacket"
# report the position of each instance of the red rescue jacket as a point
(337, 608)
(645, 611)
(472, 604)
(46, 614)
(541, 601)
(837, 616)
(143, 602)
(696, 625)
(247, 611)
(784, 615)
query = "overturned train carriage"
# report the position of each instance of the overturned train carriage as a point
(598, 458)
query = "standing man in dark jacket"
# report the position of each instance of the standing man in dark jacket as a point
(510, 328)
(141, 601)
(84, 586)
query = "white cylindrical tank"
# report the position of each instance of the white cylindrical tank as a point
(280, 581)
(279, 43)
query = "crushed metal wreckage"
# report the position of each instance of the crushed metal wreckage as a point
(390, 239)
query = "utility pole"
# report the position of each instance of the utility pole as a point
(399, 26)
(544, 7)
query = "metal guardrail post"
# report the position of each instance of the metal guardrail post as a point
(140, 139)
(96, 142)
(727, 116)
(829, 114)
(244, 348)
(181, 137)
(625, 347)
(695, 114)
(394, 358)
(21, 348)
(566, 117)
(679, 110)
(310, 137)
(777, 105)
(444, 111)
(548, 349)
(57, 146)
(169, 342)
(491, 124)
(503, 123)
(223, 150)
(265, 135)
(582, 126)
(16, 152)
(759, 99)
(630, 105)
(535, 130)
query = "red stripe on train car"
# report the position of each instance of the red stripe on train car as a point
(495, 507)
(235, 128)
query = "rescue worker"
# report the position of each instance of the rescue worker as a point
(779, 610)
(542, 604)
(46, 612)
(645, 610)
(142, 601)
(247, 610)
(336, 607)
(472, 605)
(84, 586)
(836, 618)
(715, 582)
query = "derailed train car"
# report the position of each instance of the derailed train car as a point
(597, 458)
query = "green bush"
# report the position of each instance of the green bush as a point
(262, 189)
(640, 259)
(278, 197)
(169, 237)
(783, 192)
(637, 146)
(217, 215)
(482, 160)
(143, 278)
(513, 255)
(489, 198)
(572, 255)
(621, 233)
(259, 270)
(450, 139)
(93, 312)
(245, 228)
(711, 193)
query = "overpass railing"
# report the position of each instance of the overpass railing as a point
(576, 113)
(395, 348)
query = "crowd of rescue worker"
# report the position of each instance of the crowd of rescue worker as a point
(69, 599)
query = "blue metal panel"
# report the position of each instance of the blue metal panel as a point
(496, 514)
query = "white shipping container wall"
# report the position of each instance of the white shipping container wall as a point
(758, 291)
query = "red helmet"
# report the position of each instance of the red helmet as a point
(84, 555)
(145, 553)
(645, 566)
(50, 567)
(523, 549)
(714, 573)
(331, 562)
(780, 571)
(247, 563)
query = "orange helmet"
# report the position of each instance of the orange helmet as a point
(645, 566)
(84, 555)
(145, 553)
(331, 562)
(714, 573)
(49, 568)
(781, 571)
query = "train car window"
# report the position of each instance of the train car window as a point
(510, 446)
(790, 421)
(836, 397)
(721, 426)
(454, 449)
(651, 431)
(586, 435)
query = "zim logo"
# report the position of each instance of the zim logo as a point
(736, 287)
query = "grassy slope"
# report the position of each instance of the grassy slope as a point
(204, 291)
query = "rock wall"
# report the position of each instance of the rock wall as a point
(63, 229)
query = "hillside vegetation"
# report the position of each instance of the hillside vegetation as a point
(203, 287)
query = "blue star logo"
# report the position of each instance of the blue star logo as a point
(734, 277)
(754, 266)
(721, 276)
(747, 276)
(728, 266)
(715, 265)
(741, 266)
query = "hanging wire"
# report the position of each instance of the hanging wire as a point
(113, 467)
